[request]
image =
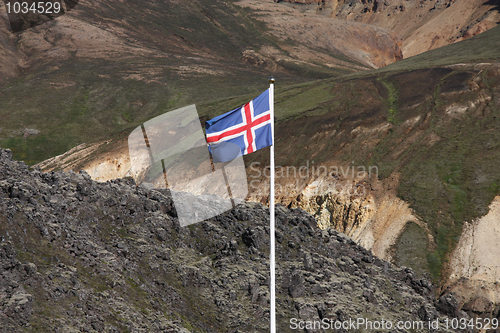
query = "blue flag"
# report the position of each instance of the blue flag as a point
(247, 128)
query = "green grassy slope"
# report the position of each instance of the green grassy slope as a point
(317, 96)
(197, 57)
(454, 179)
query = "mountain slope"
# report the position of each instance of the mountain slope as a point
(420, 25)
(104, 67)
(429, 124)
(432, 133)
(79, 255)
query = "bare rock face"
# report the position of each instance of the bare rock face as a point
(420, 25)
(475, 267)
(372, 217)
(340, 212)
(370, 45)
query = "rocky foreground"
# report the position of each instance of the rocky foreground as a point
(76, 255)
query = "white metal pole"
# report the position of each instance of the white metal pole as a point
(272, 263)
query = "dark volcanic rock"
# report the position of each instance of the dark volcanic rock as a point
(76, 255)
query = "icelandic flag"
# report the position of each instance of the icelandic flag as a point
(247, 127)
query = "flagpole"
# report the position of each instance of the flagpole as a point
(272, 262)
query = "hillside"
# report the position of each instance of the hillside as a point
(419, 25)
(81, 255)
(103, 68)
(429, 124)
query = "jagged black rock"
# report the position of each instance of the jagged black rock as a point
(108, 257)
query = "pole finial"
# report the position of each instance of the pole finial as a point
(271, 79)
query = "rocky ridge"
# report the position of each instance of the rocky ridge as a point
(107, 257)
